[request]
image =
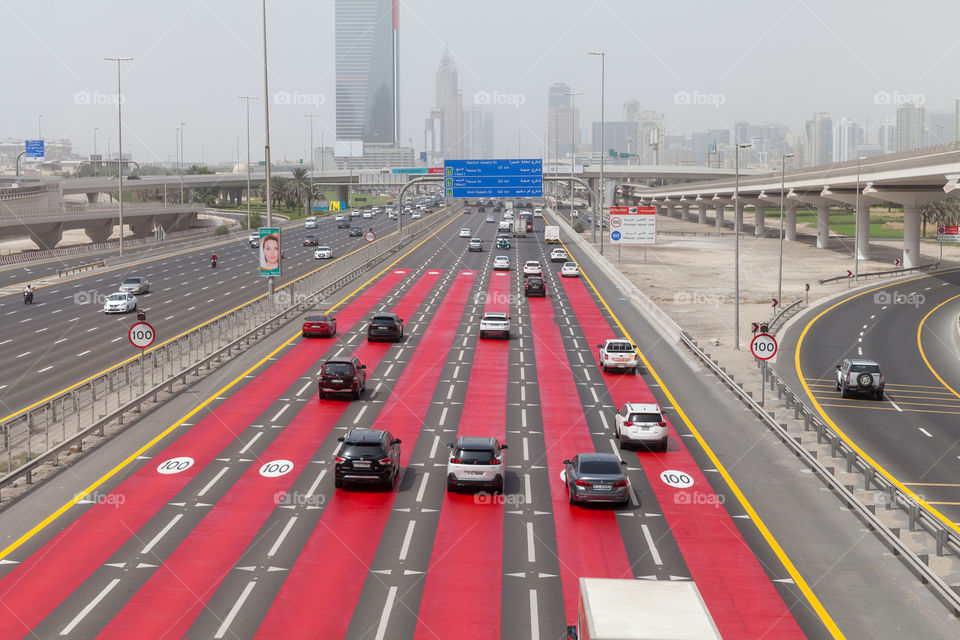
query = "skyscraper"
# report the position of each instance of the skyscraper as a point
(819, 140)
(450, 104)
(368, 110)
(847, 136)
(557, 97)
(911, 125)
(477, 133)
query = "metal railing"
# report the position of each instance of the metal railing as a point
(782, 314)
(81, 267)
(890, 272)
(40, 433)
(919, 516)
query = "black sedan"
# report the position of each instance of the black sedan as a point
(596, 477)
(356, 232)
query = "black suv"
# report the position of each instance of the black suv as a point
(356, 232)
(385, 326)
(366, 455)
(343, 375)
(535, 287)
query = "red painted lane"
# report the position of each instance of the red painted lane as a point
(175, 594)
(588, 539)
(741, 598)
(345, 541)
(453, 607)
(41, 582)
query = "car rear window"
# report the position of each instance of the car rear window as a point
(383, 322)
(132, 281)
(600, 466)
(361, 450)
(619, 347)
(646, 417)
(468, 456)
(316, 318)
(338, 369)
(860, 368)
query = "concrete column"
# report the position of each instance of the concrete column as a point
(759, 220)
(662, 209)
(676, 211)
(46, 236)
(911, 236)
(99, 231)
(702, 213)
(823, 225)
(790, 221)
(684, 211)
(863, 223)
(718, 216)
(142, 227)
(93, 197)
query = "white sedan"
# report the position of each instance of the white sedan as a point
(532, 268)
(368, 214)
(465, 233)
(570, 270)
(120, 302)
(322, 253)
(558, 255)
(501, 263)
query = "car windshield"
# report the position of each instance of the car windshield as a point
(592, 467)
(323, 248)
(132, 281)
(861, 368)
(338, 369)
(468, 456)
(118, 296)
(361, 450)
(645, 417)
(619, 347)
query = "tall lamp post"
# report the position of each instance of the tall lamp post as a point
(120, 145)
(593, 224)
(783, 164)
(311, 116)
(266, 121)
(856, 232)
(181, 161)
(573, 142)
(736, 235)
(556, 147)
(247, 99)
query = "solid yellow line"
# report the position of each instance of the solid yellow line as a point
(183, 333)
(133, 456)
(931, 484)
(924, 355)
(761, 526)
(823, 414)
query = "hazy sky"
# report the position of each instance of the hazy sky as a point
(760, 61)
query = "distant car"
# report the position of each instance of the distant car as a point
(310, 240)
(343, 222)
(323, 253)
(617, 353)
(504, 226)
(254, 239)
(342, 375)
(356, 232)
(465, 233)
(354, 213)
(496, 209)
(641, 423)
(368, 214)
(490, 218)
(534, 286)
(538, 213)
(570, 270)
(503, 242)
(310, 223)
(532, 268)
(859, 375)
(495, 323)
(319, 325)
(481, 209)
(416, 215)
(476, 462)
(385, 326)
(135, 285)
(501, 263)
(120, 302)
(559, 255)
(366, 455)
(476, 244)
(392, 215)
(596, 477)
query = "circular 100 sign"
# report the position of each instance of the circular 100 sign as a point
(141, 335)
(763, 346)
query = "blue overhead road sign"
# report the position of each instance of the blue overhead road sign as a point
(34, 148)
(493, 178)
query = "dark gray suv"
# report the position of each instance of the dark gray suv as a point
(858, 375)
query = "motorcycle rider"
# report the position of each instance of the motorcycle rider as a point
(28, 294)
(213, 261)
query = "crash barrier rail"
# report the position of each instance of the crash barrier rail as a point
(890, 272)
(81, 267)
(782, 315)
(893, 497)
(41, 433)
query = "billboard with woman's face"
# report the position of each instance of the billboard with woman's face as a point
(270, 251)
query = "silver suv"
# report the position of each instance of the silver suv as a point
(856, 375)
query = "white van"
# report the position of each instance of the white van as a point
(310, 223)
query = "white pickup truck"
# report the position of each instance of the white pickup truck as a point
(551, 234)
(617, 353)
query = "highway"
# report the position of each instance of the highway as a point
(44, 344)
(908, 327)
(217, 516)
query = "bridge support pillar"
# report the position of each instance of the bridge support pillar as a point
(684, 211)
(99, 231)
(823, 225)
(343, 191)
(911, 236)
(759, 220)
(46, 236)
(702, 213)
(790, 221)
(718, 215)
(142, 227)
(863, 238)
(93, 197)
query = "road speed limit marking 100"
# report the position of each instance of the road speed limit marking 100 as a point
(676, 479)
(175, 465)
(141, 335)
(276, 468)
(763, 346)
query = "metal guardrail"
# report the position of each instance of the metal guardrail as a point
(947, 540)
(782, 314)
(59, 423)
(81, 267)
(922, 267)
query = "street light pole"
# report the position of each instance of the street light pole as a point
(593, 224)
(311, 116)
(266, 120)
(180, 162)
(120, 132)
(736, 235)
(783, 164)
(856, 231)
(573, 142)
(247, 99)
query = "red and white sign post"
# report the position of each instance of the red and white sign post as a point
(763, 347)
(141, 335)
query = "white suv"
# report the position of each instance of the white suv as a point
(641, 424)
(532, 268)
(476, 462)
(617, 353)
(495, 322)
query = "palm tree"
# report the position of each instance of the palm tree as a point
(299, 186)
(278, 190)
(940, 212)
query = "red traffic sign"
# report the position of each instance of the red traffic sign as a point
(774, 302)
(370, 236)
(763, 346)
(754, 327)
(141, 335)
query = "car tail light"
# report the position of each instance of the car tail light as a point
(661, 424)
(881, 378)
(628, 424)
(455, 461)
(339, 460)
(619, 483)
(494, 461)
(387, 460)
(582, 483)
